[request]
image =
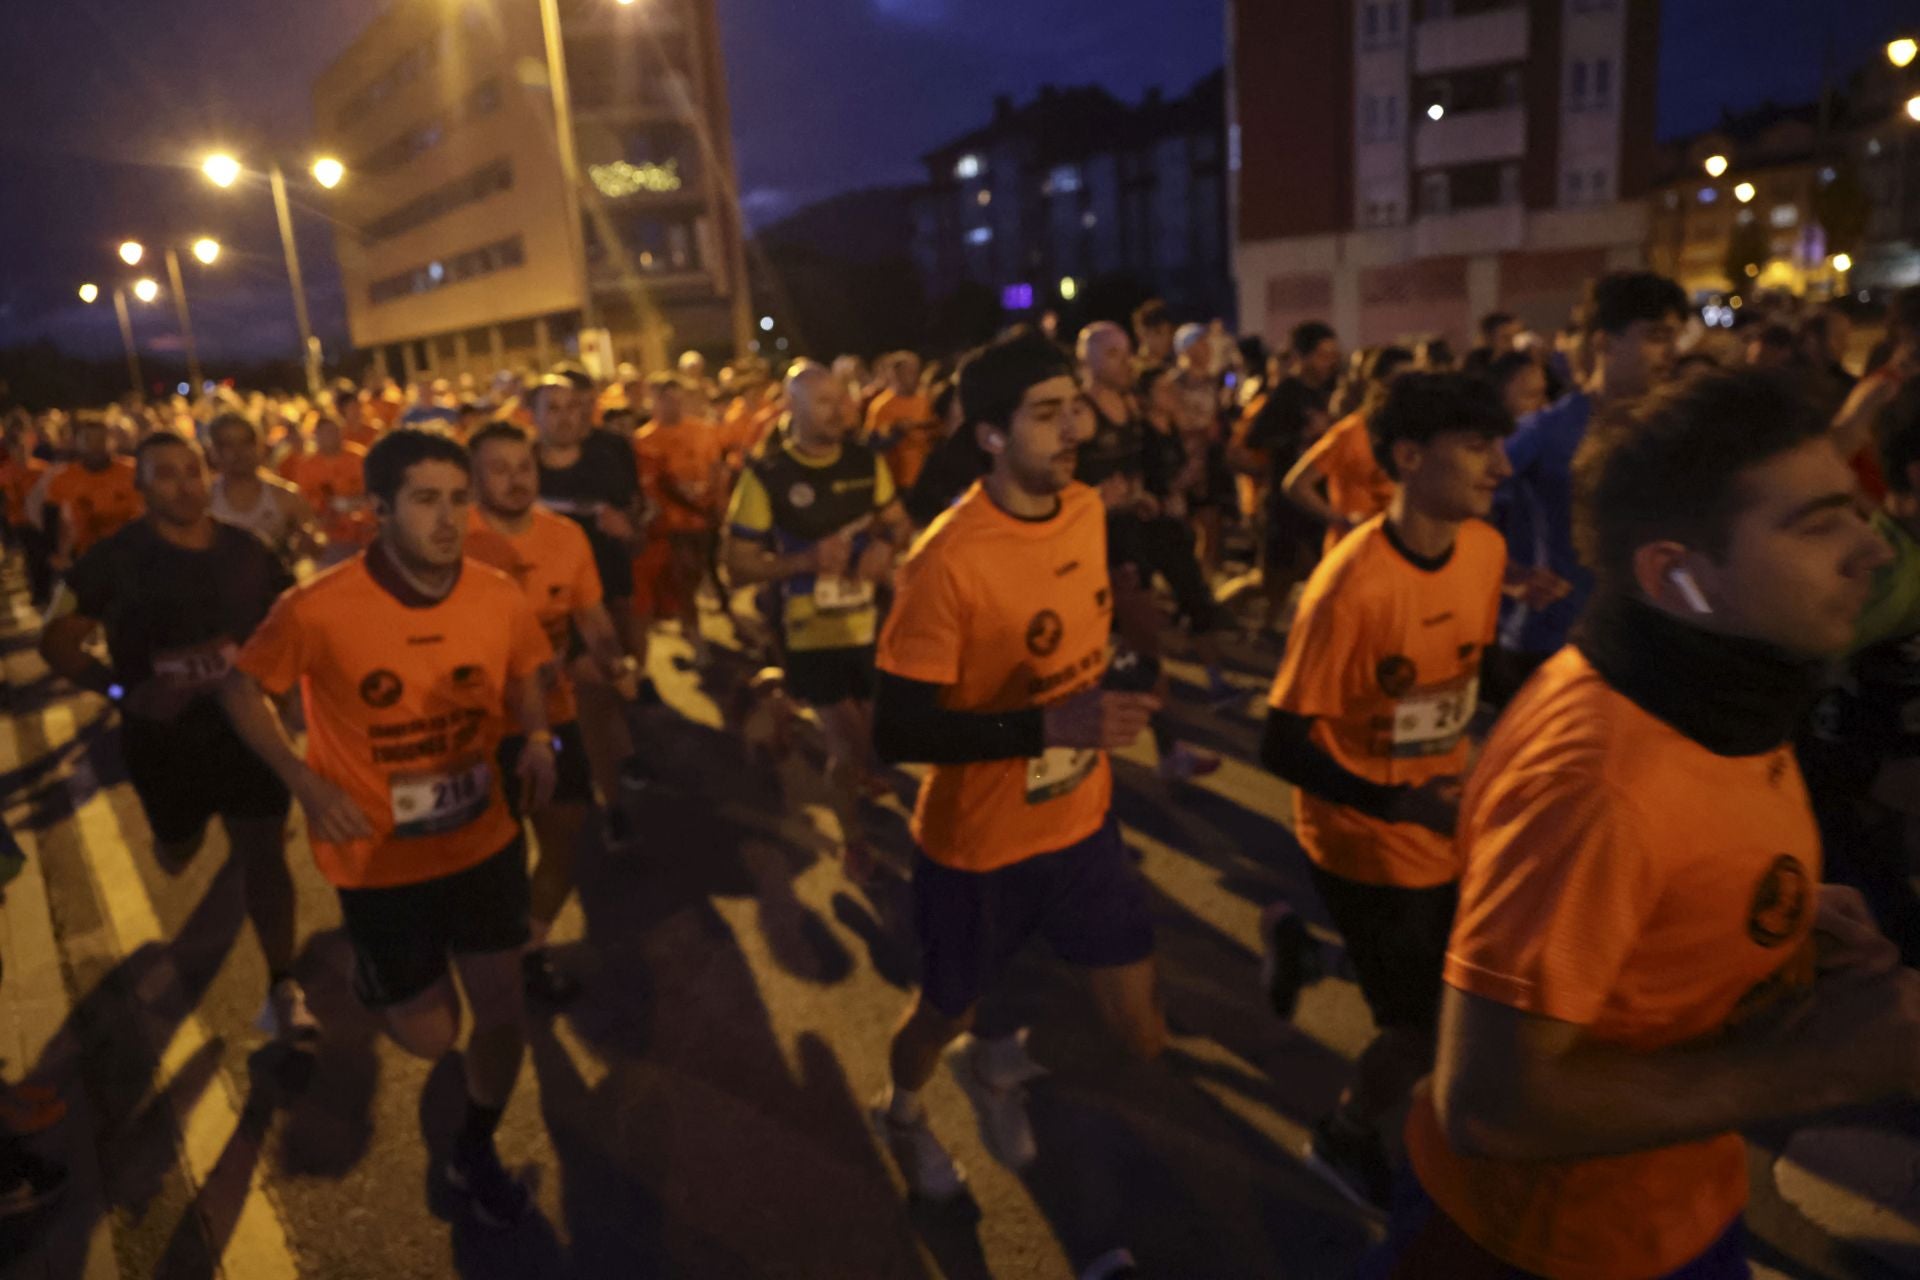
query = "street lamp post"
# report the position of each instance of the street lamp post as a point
(126, 339)
(186, 320)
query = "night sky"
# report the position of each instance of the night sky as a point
(110, 102)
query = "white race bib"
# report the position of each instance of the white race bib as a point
(198, 666)
(429, 804)
(1430, 721)
(1057, 772)
(345, 505)
(841, 595)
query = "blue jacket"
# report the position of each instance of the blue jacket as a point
(1535, 512)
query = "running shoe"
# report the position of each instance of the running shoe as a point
(1351, 1160)
(27, 1182)
(546, 981)
(1289, 957)
(930, 1172)
(1005, 1128)
(1222, 694)
(498, 1199)
(30, 1108)
(1114, 1264)
(285, 1015)
(1185, 763)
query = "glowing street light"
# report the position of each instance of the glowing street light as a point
(1716, 165)
(628, 4)
(89, 293)
(328, 172)
(131, 252)
(1436, 113)
(222, 170)
(206, 249)
(766, 324)
(1901, 52)
(1913, 107)
(1069, 288)
(1843, 262)
(1744, 193)
(145, 289)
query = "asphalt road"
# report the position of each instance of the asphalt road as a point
(701, 1111)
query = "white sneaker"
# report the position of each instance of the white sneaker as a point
(1001, 1105)
(285, 1015)
(930, 1172)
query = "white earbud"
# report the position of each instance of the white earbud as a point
(1689, 590)
(995, 442)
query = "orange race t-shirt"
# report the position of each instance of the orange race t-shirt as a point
(405, 706)
(334, 485)
(680, 471)
(1006, 614)
(1623, 878)
(552, 561)
(903, 429)
(1356, 486)
(1385, 657)
(20, 471)
(95, 503)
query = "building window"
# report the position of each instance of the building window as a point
(470, 265)
(1602, 83)
(1785, 215)
(1392, 11)
(1089, 219)
(1597, 186)
(1592, 6)
(1393, 118)
(1510, 88)
(1576, 187)
(980, 235)
(1436, 195)
(1509, 184)
(1577, 83)
(967, 168)
(442, 200)
(1370, 25)
(1370, 119)
(1063, 180)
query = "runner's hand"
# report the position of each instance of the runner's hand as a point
(876, 563)
(537, 772)
(1846, 939)
(156, 699)
(1101, 719)
(331, 816)
(624, 676)
(1871, 1028)
(1434, 804)
(614, 523)
(833, 554)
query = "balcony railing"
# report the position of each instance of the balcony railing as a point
(1472, 40)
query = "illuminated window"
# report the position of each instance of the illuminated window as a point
(1708, 195)
(1785, 215)
(1064, 180)
(980, 235)
(967, 168)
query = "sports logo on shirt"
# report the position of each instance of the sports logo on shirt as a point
(1044, 633)
(801, 495)
(468, 676)
(380, 689)
(1396, 675)
(1780, 902)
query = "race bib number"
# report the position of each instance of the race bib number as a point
(345, 506)
(197, 667)
(430, 804)
(841, 595)
(1059, 771)
(1430, 722)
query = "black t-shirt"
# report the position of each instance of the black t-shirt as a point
(175, 611)
(1117, 449)
(955, 463)
(604, 475)
(1280, 429)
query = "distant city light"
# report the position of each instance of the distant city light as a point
(206, 249)
(766, 324)
(1843, 262)
(1744, 192)
(967, 168)
(980, 235)
(1913, 108)
(145, 289)
(89, 292)
(1716, 165)
(221, 169)
(1089, 219)
(622, 179)
(328, 172)
(1708, 195)
(1436, 112)
(1901, 52)
(1069, 288)
(183, 389)
(1016, 297)
(984, 198)
(131, 253)
(780, 344)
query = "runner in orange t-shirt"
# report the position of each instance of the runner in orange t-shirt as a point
(550, 558)
(991, 664)
(1645, 962)
(332, 479)
(409, 659)
(1357, 488)
(1369, 722)
(20, 474)
(682, 471)
(95, 494)
(900, 422)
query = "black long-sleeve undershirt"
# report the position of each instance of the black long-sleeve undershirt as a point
(1287, 749)
(910, 726)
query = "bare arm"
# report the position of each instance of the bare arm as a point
(63, 643)
(1302, 489)
(1510, 1085)
(750, 564)
(331, 815)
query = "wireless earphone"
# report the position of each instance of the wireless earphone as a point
(1689, 590)
(995, 442)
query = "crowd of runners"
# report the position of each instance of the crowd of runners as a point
(1595, 666)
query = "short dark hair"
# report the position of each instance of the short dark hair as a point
(1776, 335)
(1667, 465)
(1898, 436)
(498, 430)
(397, 452)
(1622, 298)
(1492, 321)
(153, 444)
(1420, 405)
(1151, 314)
(1504, 369)
(225, 420)
(994, 379)
(572, 373)
(1308, 335)
(1384, 362)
